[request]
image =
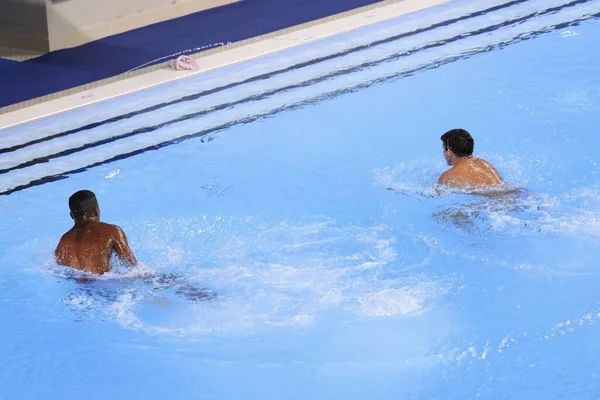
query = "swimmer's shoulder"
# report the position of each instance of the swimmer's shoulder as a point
(67, 237)
(490, 168)
(111, 229)
(485, 163)
(452, 178)
(446, 177)
(114, 232)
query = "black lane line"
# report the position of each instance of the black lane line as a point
(267, 94)
(65, 175)
(262, 76)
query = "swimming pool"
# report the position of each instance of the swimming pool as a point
(266, 182)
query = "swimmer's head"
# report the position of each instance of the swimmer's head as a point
(457, 143)
(84, 206)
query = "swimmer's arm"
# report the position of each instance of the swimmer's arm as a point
(121, 246)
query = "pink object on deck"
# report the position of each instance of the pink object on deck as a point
(183, 62)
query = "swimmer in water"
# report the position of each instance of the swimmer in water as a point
(467, 171)
(89, 245)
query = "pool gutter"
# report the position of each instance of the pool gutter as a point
(158, 74)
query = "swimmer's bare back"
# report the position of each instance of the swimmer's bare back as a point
(88, 247)
(471, 172)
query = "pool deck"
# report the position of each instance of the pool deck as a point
(135, 60)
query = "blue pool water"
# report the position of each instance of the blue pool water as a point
(328, 285)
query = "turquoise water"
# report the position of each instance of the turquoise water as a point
(327, 284)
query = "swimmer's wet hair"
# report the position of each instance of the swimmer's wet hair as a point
(459, 141)
(82, 203)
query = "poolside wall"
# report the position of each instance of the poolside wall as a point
(24, 25)
(75, 22)
(49, 25)
(70, 22)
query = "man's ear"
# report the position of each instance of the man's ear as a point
(72, 216)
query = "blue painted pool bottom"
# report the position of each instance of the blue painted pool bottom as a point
(114, 55)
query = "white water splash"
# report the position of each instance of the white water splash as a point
(414, 177)
(518, 340)
(112, 174)
(288, 274)
(566, 33)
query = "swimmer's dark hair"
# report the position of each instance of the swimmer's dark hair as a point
(82, 204)
(459, 141)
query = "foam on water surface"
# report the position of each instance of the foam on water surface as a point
(263, 277)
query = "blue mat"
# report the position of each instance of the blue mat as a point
(116, 54)
(5, 63)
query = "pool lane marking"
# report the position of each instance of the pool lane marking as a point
(263, 95)
(65, 174)
(267, 75)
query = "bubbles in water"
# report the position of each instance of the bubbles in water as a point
(515, 341)
(512, 213)
(576, 212)
(79, 301)
(290, 273)
(415, 177)
(584, 99)
(390, 302)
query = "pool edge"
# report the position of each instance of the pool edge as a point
(231, 53)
